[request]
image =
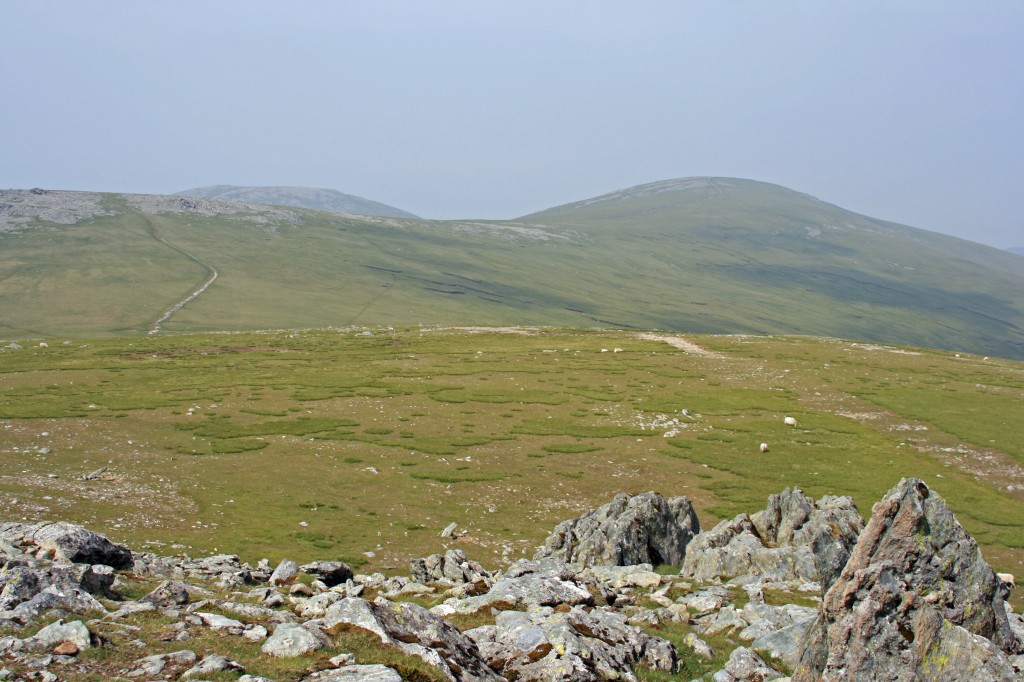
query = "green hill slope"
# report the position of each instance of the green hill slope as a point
(699, 255)
(300, 197)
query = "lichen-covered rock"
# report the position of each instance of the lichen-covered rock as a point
(356, 673)
(415, 631)
(285, 572)
(62, 541)
(75, 632)
(451, 568)
(167, 594)
(794, 538)
(213, 663)
(638, 529)
(545, 582)
(544, 644)
(291, 639)
(916, 600)
(746, 666)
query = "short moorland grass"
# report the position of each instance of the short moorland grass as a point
(329, 444)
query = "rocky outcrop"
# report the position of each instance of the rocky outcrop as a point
(545, 582)
(794, 538)
(638, 529)
(915, 601)
(450, 569)
(414, 630)
(65, 542)
(544, 644)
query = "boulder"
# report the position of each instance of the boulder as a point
(746, 666)
(213, 663)
(64, 541)
(330, 572)
(638, 529)
(545, 644)
(284, 573)
(916, 600)
(356, 673)
(414, 630)
(75, 632)
(291, 639)
(546, 582)
(450, 569)
(794, 538)
(168, 594)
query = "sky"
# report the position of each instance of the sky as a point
(909, 111)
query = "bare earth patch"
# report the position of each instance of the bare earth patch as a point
(681, 343)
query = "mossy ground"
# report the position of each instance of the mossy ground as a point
(334, 444)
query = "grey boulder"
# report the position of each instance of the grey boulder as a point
(637, 529)
(291, 639)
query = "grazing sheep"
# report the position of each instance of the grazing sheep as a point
(1007, 579)
(43, 344)
(789, 421)
(764, 447)
(616, 350)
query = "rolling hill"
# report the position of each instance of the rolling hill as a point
(301, 197)
(707, 255)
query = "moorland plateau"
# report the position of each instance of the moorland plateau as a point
(197, 376)
(701, 255)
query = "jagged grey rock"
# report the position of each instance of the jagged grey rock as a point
(213, 663)
(356, 673)
(291, 639)
(151, 666)
(746, 666)
(638, 529)
(915, 601)
(330, 572)
(794, 538)
(544, 644)
(414, 630)
(451, 568)
(167, 594)
(75, 632)
(545, 582)
(284, 573)
(785, 644)
(66, 542)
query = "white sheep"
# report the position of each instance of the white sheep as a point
(616, 350)
(43, 344)
(789, 421)
(764, 447)
(1007, 579)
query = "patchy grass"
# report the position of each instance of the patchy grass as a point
(321, 444)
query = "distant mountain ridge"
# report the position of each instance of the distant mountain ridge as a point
(1019, 250)
(700, 255)
(302, 197)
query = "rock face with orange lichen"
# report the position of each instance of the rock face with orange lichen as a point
(915, 601)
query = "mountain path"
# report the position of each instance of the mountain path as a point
(210, 279)
(681, 343)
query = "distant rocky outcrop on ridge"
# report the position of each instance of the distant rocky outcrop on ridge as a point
(301, 197)
(915, 601)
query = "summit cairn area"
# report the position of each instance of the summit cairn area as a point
(914, 600)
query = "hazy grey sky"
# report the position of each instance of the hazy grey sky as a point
(911, 111)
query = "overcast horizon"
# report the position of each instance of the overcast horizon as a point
(908, 112)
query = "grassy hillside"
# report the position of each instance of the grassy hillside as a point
(301, 197)
(334, 443)
(700, 255)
